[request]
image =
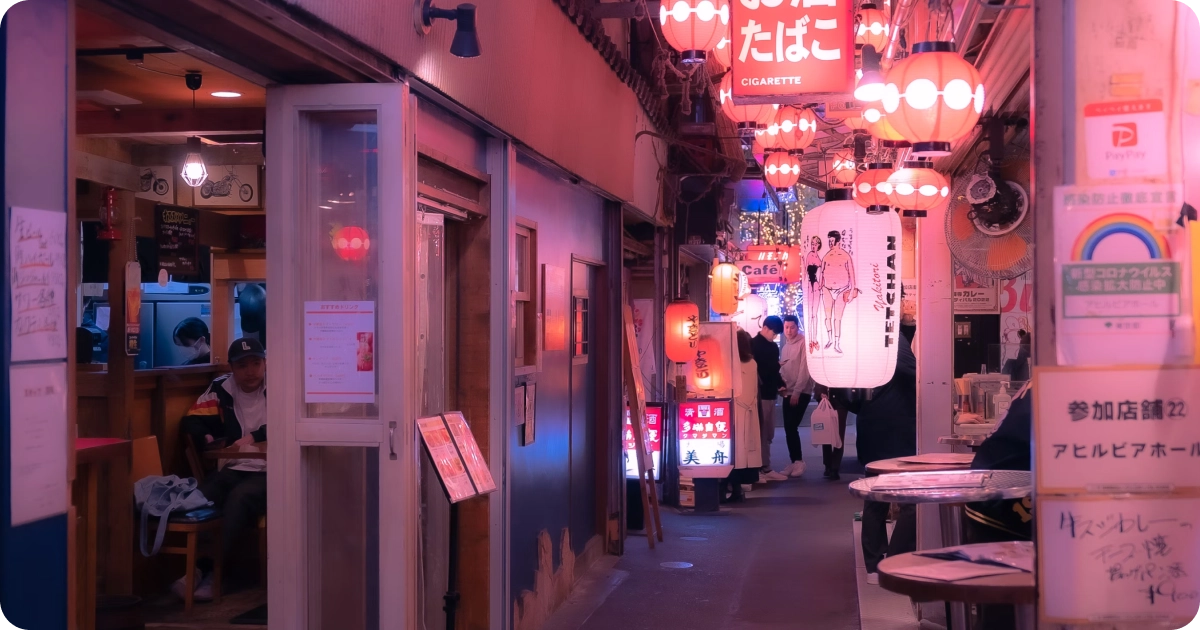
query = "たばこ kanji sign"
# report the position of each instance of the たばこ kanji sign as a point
(705, 432)
(787, 51)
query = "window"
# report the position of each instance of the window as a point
(579, 348)
(525, 310)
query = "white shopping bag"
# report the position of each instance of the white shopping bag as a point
(825, 425)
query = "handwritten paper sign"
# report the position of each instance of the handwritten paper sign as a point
(446, 459)
(1117, 430)
(37, 246)
(176, 230)
(38, 398)
(339, 352)
(1118, 560)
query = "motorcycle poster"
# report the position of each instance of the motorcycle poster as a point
(156, 183)
(227, 186)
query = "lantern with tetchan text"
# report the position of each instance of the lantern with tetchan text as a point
(694, 27)
(933, 97)
(853, 308)
(683, 330)
(747, 117)
(351, 243)
(918, 188)
(724, 290)
(871, 189)
(781, 170)
(872, 29)
(797, 128)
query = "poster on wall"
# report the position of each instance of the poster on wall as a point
(37, 250)
(1122, 275)
(37, 397)
(1016, 315)
(974, 296)
(1125, 139)
(176, 231)
(654, 414)
(705, 438)
(339, 352)
(783, 53)
(229, 186)
(157, 183)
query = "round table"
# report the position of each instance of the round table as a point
(952, 461)
(972, 441)
(1018, 589)
(1000, 484)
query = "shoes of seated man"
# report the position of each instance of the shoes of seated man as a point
(203, 586)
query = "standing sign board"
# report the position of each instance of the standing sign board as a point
(654, 415)
(455, 456)
(706, 438)
(791, 51)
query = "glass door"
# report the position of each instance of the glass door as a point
(343, 459)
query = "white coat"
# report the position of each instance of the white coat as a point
(747, 440)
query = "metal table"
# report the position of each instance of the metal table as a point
(1018, 589)
(972, 441)
(930, 462)
(1000, 484)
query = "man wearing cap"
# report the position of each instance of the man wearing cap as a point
(233, 409)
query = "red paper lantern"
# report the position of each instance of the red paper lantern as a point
(843, 169)
(709, 366)
(682, 330)
(918, 187)
(746, 116)
(694, 27)
(726, 284)
(797, 128)
(933, 97)
(871, 189)
(721, 53)
(781, 170)
(881, 129)
(351, 243)
(855, 121)
(872, 29)
(767, 138)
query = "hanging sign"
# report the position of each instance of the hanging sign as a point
(654, 414)
(1119, 260)
(1125, 139)
(770, 264)
(705, 438)
(791, 51)
(974, 295)
(176, 231)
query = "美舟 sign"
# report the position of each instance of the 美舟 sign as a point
(705, 438)
(789, 51)
(1125, 139)
(770, 264)
(1117, 429)
(654, 413)
(1118, 258)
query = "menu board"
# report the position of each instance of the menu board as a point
(1117, 429)
(654, 414)
(468, 448)
(176, 231)
(37, 246)
(446, 459)
(339, 352)
(1118, 560)
(38, 398)
(705, 438)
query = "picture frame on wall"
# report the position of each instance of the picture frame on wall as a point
(529, 430)
(156, 183)
(230, 186)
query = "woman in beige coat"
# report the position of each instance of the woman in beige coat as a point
(747, 457)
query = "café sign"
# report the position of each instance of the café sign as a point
(792, 51)
(770, 264)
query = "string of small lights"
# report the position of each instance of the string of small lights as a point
(775, 227)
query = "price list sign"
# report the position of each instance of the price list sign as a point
(705, 438)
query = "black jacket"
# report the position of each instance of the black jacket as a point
(766, 355)
(213, 415)
(887, 423)
(1009, 448)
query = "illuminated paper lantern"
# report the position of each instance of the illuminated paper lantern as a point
(843, 169)
(751, 314)
(855, 122)
(882, 130)
(720, 53)
(871, 189)
(933, 97)
(351, 243)
(724, 290)
(767, 138)
(746, 116)
(797, 128)
(694, 27)
(781, 170)
(709, 367)
(918, 187)
(854, 308)
(872, 29)
(682, 330)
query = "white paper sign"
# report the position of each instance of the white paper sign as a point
(38, 257)
(1113, 430)
(1126, 139)
(38, 407)
(339, 352)
(1119, 560)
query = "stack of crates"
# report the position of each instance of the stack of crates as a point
(687, 492)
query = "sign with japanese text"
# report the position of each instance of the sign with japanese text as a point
(654, 414)
(974, 295)
(339, 352)
(770, 264)
(788, 51)
(705, 438)
(1125, 139)
(176, 231)
(1117, 429)
(1118, 257)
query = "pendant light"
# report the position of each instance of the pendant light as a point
(917, 188)
(933, 97)
(843, 168)
(747, 117)
(870, 86)
(694, 27)
(194, 172)
(871, 188)
(682, 330)
(782, 170)
(882, 130)
(725, 285)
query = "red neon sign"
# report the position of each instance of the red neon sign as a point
(788, 51)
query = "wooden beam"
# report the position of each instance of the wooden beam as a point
(106, 172)
(158, 122)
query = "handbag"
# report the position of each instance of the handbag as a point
(159, 497)
(825, 425)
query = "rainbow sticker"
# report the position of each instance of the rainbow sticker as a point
(1137, 226)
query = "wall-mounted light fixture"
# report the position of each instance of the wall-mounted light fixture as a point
(466, 39)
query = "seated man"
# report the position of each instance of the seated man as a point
(233, 409)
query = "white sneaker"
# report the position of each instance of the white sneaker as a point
(774, 476)
(873, 579)
(796, 469)
(204, 592)
(179, 587)
(747, 488)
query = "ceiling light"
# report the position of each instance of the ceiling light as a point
(227, 94)
(870, 84)
(194, 172)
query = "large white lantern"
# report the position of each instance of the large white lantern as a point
(853, 307)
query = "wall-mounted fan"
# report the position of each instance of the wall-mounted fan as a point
(989, 226)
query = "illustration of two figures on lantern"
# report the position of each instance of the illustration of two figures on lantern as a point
(830, 286)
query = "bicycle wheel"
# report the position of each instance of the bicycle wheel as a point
(246, 192)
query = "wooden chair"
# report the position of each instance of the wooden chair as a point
(148, 462)
(196, 464)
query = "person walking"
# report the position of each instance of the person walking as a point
(747, 456)
(770, 383)
(798, 392)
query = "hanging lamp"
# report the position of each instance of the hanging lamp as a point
(694, 27)
(782, 170)
(917, 188)
(797, 128)
(747, 117)
(933, 97)
(194, 173)
(872, 27)
(871, 188)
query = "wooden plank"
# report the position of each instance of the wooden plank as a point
(636, 393)
(119, 490)
(132, 123)
(104, 171)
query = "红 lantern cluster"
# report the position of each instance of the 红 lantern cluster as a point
(694, 27)
(853, 309)
(933, 97)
